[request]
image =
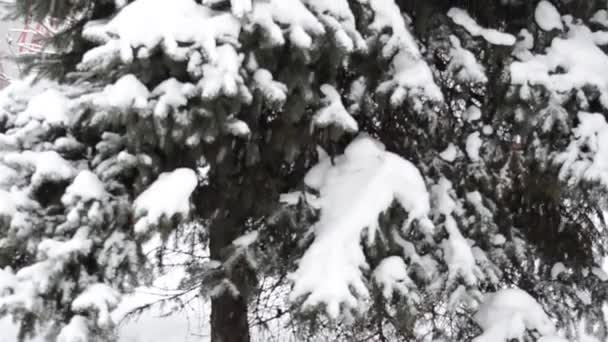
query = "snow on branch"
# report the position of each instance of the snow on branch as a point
(570, 63)
(168, 196)
(339, 20)
(492, 36)
(302, 25)
(333, 112)
(101, 299)
(353, 191)
(586, 157)
(507, 314)
(463, 65)
(547, 17)
(178, 28)
(411, 76)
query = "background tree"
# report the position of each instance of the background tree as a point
(460, 156)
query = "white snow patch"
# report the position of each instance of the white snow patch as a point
(492, 36)
(76, 331)
(473, 113)
(557, 269)
(148, 24)
(547, 17)
(464, 65)
(237, 127)
(473, 144)
(458, 254)
(450, 153)
(48, 165)
(354, 190)
(128, 92)
(391, 276)
(333, 112)
(506, 315)
(600, 17)
(171, 95)
(586, 157)
(246, 240)
(569, 63)
(85, 187)
(169, 195)
(100, 298)
(50, 106)
(412, 77)
(7, 205)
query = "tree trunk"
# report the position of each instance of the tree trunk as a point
(229, 321)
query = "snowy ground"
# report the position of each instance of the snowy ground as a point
(190, 326)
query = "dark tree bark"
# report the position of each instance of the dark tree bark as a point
(229, 321)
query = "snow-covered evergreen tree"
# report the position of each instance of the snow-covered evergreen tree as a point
(412, 170)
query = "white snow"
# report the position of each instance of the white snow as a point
(458, 255)
(76, 331)
(246, 240)
(391, 276)
(240, 7)
(441, 197)
(557, 269)
(473, 113)
(506, 315)
(464, 65)
(47, 165)
(586, 157)
(498, 240)
(340, 21)
(50, 106)
(55, 249)
(473, 144)
(273, 91)
(85, 187)
(128, 92)
(584, 296)
(7, 205)
(450, 153)
(8, 280)
(552, 339)
(100, 298)
(600, 17)
(522, 48)
(476, 200)
(238, 128)
(172, 94)
(222, 75)
(302, 24)
(169, 195)
(547, 17)
(457, 252)
(582, 61)
(354, 190)
(333, 112)
(492, 36)
(411, 76)
(151, 24)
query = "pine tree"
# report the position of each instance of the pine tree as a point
(407, 169)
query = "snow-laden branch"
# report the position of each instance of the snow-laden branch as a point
(353, 191)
